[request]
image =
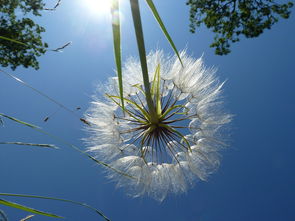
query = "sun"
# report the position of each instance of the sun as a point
(98, 7)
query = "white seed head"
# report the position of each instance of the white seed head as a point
(182, 146)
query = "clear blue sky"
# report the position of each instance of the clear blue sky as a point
(256, 178)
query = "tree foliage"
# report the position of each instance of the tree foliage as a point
(16, 24)
(230, 19)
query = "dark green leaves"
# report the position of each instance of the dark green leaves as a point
(20, 41)
(230, 19)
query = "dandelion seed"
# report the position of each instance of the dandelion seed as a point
(164, 153)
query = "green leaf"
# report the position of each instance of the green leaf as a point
(162, 26)
(56, 199)
(117, 44)
(28, 209)
(12, 40)
(32, 144)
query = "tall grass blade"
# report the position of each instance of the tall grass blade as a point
(142, 54)
(158, 92)
(68, 144)
(162, 26)
(115, 11)
(19, 121)
(57, 199)
(32, 144)
(28, 209)
(39, 92)
(12, 40)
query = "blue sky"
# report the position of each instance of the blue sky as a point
(256, 178)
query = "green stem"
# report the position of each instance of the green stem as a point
(56, 199)
(142, 55)
(117, 45)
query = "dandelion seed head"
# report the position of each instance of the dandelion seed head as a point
(167, 153)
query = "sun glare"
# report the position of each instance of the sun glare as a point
(98, 7)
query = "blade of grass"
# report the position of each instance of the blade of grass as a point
(32, 144)
(158, 93)
(27, 217)
(21, 43)
(117, 44)
(55, 6)
(142, 55)
(19, 121)
(66, 143)
(28, 209)
(12, 40)
(57, 199)
(39, 92)
(153, 85)
(162, 26)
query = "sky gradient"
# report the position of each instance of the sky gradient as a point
(256, 178)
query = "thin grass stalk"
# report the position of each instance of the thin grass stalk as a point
(28, 209)
(27, 218)
(162, 26)
(142, 55)
(12, 40)
(39, 129)
(56, 199)
(117, 44)
(31, 144)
